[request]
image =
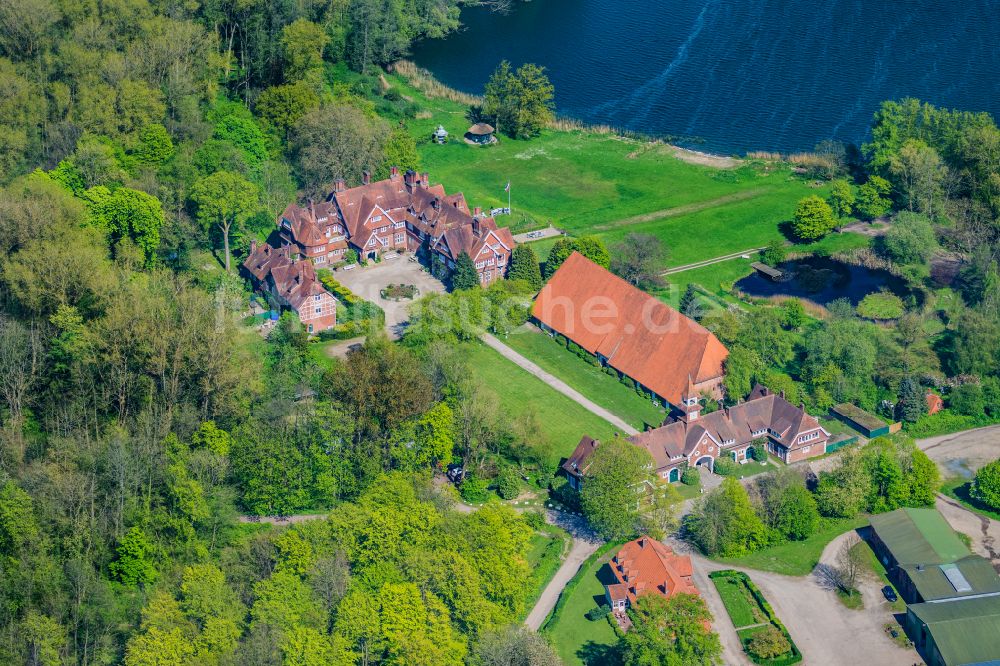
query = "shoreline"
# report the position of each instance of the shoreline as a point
(425, 81)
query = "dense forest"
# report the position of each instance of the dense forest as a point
(143, 140)
(140, 418)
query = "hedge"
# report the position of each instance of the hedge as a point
(794, 656)
(574, 582)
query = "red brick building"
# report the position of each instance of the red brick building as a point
(691, 438)
(402, 212)
(646, 566)
(290, 283)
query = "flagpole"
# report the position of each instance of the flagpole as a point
(509, 211)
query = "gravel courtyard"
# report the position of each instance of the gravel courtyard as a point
(368, 281)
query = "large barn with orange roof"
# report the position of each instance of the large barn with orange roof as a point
(641, 337)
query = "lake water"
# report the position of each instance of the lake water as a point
(822, 280)
(735, 75)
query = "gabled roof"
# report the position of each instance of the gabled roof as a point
(918, 536)
(968, 576)
(472, 238)
(640, 336)
(647, 566)
(577, 463)
(965, 631)
(734, 425)
(293, 281)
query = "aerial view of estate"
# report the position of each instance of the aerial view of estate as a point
(499, 333)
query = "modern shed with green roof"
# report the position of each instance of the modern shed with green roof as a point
(957, 632)
(925, 558)
(864, 422)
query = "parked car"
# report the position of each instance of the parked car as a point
(889, 594)
(456, 473)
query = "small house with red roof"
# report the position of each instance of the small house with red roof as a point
(646, 566)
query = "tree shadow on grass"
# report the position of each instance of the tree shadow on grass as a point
(598, 654)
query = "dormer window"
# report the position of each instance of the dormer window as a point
(757, 433)
(377, 218)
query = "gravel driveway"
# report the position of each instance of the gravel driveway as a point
(962, 453)
(367, 282)
(825, 630)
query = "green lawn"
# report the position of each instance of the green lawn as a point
(562, 422)
(798, 558)
(958, 489)
(586, 378)
(742, 608)
(585, 182)
(545, 554)
(577, 639)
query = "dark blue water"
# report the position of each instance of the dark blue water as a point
(737, 75)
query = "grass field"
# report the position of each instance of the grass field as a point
(586, 182)
(586, 378)
(742, 608)
(545, 553)
(562, 421)
(577, 639)
(958, 489)
(798, 558)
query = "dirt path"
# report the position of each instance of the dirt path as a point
(962, 453)
(709, 262)
(557, 384)
(681, 210)
(584, 545)
(825, 630)
(984, 532)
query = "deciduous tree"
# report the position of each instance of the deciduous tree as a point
(612, 491)
(224, 199)
(640, 260)
(813, 218)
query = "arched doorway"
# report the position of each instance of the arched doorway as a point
(675, 475)
(706, 461)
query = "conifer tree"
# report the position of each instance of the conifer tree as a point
(524, 266)
(465, 275)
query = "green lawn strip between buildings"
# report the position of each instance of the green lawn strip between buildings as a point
(588, 379)
(561, 420)
(569, 631)
(797, 558)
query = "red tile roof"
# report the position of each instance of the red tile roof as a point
(639, 335)
(647, 566)
(730, 427)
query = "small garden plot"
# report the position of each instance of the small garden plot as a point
(764, 638)
(398, 292)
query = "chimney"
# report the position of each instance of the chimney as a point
(366, 177)
(477, 211)
(394, 172)
(436, 203)
(802, 406)
(253, 246)
(642, 542)
(763, 390)
(410, 178)
(425, 178)
(476, 228)
(339, 185)
(312, 208)
(782, 394)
